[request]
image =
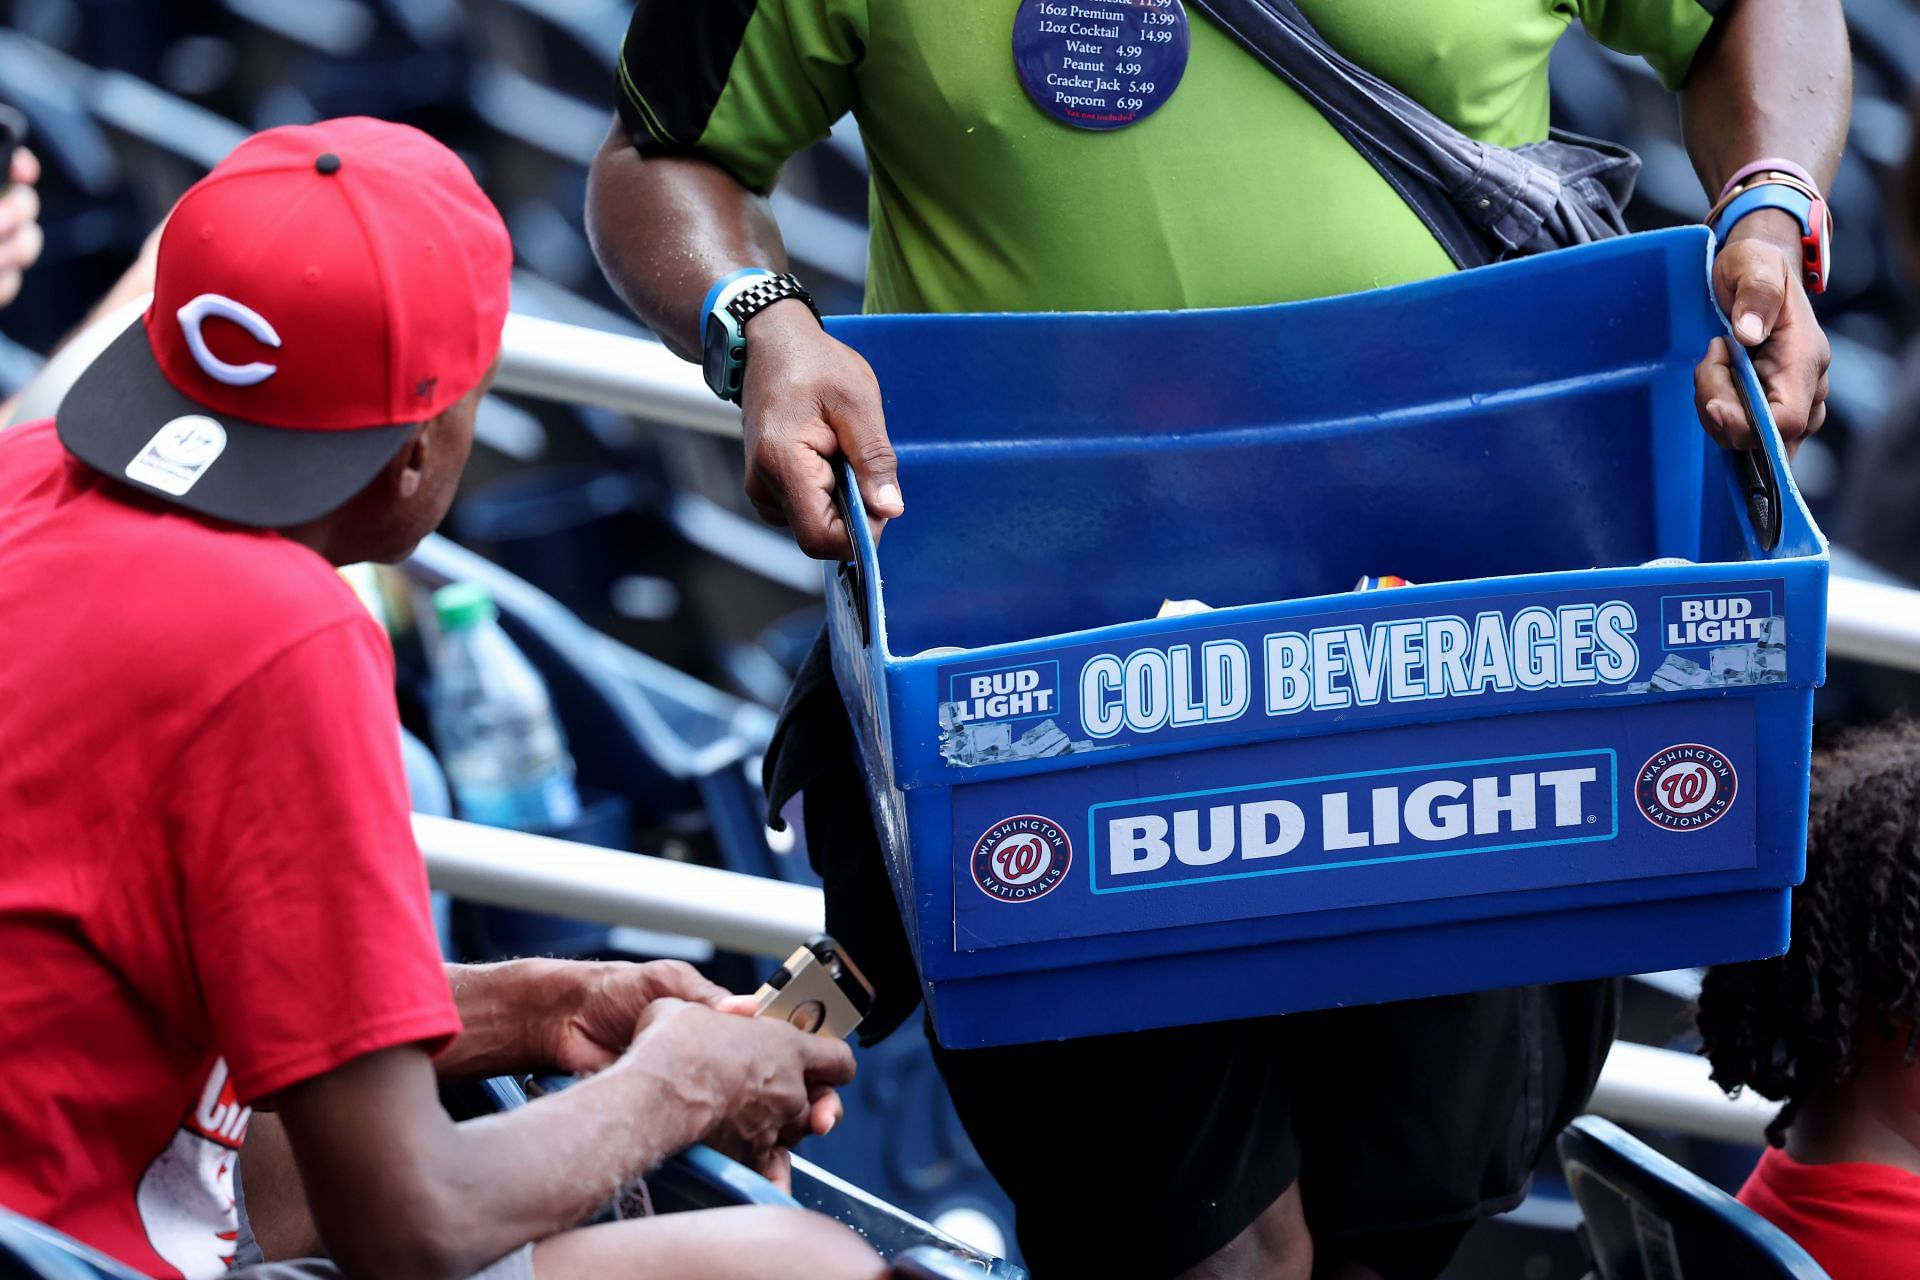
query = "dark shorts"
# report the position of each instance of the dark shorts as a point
(1140, 1155)
(1404, 1123)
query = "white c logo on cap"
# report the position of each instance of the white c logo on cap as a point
(195, 314)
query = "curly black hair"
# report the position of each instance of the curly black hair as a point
(1790, 1028)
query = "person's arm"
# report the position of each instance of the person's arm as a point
(710, 105)
(119, 306)
(399, 1190)
(1774, 79)
(21, 238)
(664, 229)
(568, 1017)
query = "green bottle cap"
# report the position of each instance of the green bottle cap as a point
(463, 604)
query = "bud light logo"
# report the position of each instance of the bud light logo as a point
(1699, 622)
(1353, 819)
(1686, 787)
(1007, 694)
(1020, 859)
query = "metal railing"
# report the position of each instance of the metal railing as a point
(748, 914)
(573, 365)
(1640, 1085)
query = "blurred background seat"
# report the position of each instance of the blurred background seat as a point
(32, 1251)
(1647, 1218)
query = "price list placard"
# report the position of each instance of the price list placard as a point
(1100, 64)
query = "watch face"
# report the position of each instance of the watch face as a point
(713, 356)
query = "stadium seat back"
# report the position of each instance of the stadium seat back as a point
(666, 742)
(31, 1250)
(1647, 1218)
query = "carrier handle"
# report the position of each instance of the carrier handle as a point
(1758, 470)
(853, 573)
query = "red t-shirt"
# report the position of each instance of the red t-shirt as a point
(1860, 1221)
(209, 888)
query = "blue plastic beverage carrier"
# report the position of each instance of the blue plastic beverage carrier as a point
(1563, 754)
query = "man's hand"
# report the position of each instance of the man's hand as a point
(1757, 278)
(20, 235)
(568, 1017)
(763, 1084)
(807, 399)
(597, 1018)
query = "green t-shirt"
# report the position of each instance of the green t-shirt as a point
(1236, 191)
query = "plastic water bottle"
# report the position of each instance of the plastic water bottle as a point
(504, 753)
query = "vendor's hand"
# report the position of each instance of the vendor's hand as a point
(597, 1011)
(20, 235)
(1758, 282)
(807, 399)
(759, 1085)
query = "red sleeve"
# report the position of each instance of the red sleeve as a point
(304, 894)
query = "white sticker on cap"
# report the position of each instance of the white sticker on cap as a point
(197, 312)
(179, 454)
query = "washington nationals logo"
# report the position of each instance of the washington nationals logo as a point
(1686, 787)
(1020, 859)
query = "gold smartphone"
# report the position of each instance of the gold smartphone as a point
(818, 989)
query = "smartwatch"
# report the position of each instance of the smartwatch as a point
(731, 302)
(1803, 202)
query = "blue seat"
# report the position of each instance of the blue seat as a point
(702, 1178)
(33, 1251)
(666, 742)
(1647, 1218)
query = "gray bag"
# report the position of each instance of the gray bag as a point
(1482, 202)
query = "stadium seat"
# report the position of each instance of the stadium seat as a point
(702, 1178)
(665, 741)
(932, 1264)
(32, 1251)
(1647, 1218)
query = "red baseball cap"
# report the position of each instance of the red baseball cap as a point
(326, 288)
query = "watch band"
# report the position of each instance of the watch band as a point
(720, 286)
(766, 291)
(733, 300)
(1772, 190)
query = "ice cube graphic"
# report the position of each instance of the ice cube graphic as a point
(992, 741)
(1733, 663)
(1044, 739)
(980, 742)
(1680, 673)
